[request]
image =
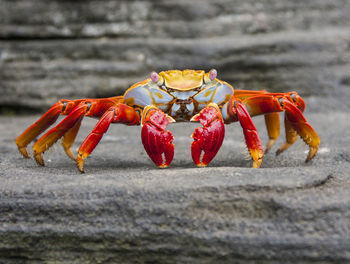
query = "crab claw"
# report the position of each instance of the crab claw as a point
(208, 138)
(157, 141)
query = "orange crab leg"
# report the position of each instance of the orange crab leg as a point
(50, 137)
(89, 107)
(243, 94)
(120, 113)
(208, 138)
(294, 119)
(157, 141)
(50, 117)
(250, 134)
(291, 136)
(272, 121)
(69, 137)
(69, 127)
(262, 95)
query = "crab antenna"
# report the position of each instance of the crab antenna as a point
(154, 76)
(212, 74)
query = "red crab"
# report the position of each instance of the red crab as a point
(173, 96)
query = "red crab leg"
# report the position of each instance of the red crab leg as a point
(50, 117)
(208, 138)
(250, 134)
(272, 119)
(63, 107)
(49, 138)
(120, 113)
(89, 107)
(157, 141)
(294, 119)
(298, 122)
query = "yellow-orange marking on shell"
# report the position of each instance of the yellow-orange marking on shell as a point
(207, 93)
(130, 101)
(183, 80)
(159, 95)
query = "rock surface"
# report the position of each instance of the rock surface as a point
(76, 49)
(124, 210)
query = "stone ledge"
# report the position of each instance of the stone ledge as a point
(124, 210)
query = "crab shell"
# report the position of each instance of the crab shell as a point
(180, 94)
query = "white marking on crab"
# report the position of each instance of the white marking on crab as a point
(174, 109)
(221, 93)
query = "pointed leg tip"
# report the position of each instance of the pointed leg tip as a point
(80, 163)
(201, 165)
(312, 154)
(257, 163)
(163, 166)
(283, 148)
(24, 152)
(39, 159)
(269, 145)
(69, 153)
(80, 168)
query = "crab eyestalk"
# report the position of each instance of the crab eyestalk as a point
(210, 76)
(156, 78)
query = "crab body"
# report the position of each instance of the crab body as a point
(175, 96)
(180, 94)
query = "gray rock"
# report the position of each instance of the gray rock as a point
(124, 210)
(80, 49)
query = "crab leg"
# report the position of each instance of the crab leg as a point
(208, 138)
(250, 134)
(70, 125)
(295, 122)
(50, 117)
(120, 113)
(50, 137)
(272, 121)
(157, 141)
(69, 137)
(291, 136)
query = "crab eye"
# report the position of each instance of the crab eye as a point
(154, 76)
(212, 74)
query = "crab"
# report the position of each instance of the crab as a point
(175, 96)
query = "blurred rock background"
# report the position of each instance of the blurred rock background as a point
(73, 49)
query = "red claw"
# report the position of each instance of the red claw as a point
(157, 141)
(208, 138)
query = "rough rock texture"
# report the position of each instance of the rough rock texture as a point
(71, 49)
(124, 210)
